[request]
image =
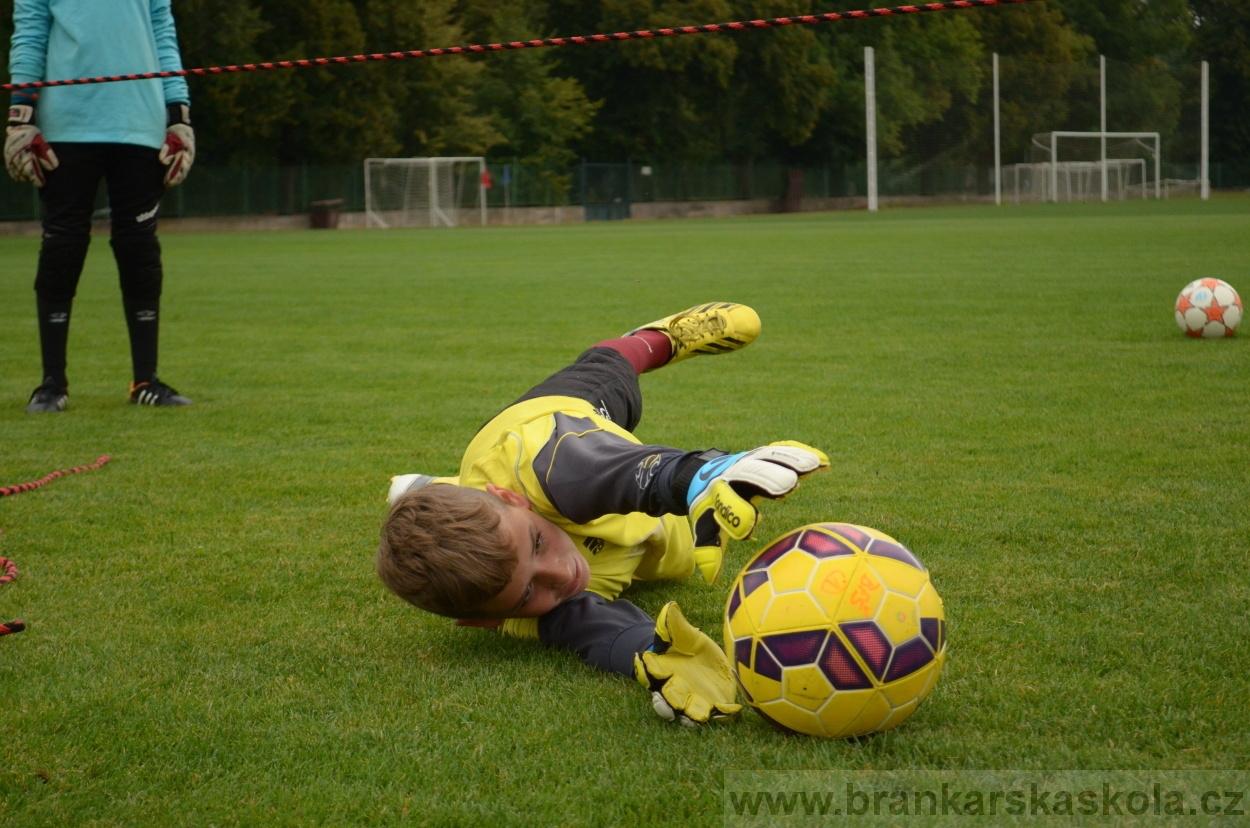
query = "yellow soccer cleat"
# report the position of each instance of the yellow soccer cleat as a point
(713, 328)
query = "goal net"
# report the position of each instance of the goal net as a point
(1071, 166)
(425, 192)
(1012, 130)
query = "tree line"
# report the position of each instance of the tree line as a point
(792, 95)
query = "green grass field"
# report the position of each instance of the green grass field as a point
(1004, 391)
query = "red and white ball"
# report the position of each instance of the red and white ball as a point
(1208, 308)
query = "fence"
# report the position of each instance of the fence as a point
(221, 191)
(1005, 113)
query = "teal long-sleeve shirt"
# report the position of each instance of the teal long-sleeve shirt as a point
(58, 39)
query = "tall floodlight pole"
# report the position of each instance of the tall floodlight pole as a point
(481, 187)
(1054, 168)
(1205, 173)
(1158, 167)
(870, 116)
(1102, 86)
(998, 144)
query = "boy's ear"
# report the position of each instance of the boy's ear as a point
(508, 496)
(488, 623)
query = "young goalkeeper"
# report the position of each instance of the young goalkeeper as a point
(558, 508)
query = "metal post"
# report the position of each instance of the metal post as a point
(870, 106)
(1205, 173)
(1054, 167)
(998, 143)
(1102, 86)
(1158, 169)
(481, 187)
(432, 186)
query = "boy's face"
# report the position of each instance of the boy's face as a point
(549, 570)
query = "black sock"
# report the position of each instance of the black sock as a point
(56, 282)
(139, 268)
(143, 322)
(54, 337)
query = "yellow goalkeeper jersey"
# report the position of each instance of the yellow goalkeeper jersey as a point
(562, 448)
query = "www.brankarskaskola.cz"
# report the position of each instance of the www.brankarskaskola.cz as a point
(951, 800)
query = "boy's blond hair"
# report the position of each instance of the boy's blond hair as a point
(442, 550)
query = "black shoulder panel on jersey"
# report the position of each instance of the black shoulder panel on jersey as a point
(587, 472)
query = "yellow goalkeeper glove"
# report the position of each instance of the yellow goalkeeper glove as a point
(724, 493)
(687, 673)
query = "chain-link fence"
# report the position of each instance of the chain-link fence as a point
(1041, 126)
(1032, 131)
(230, 191)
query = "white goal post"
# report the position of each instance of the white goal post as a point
(1113, 172)
(425, 192)
(1076, 180)
(1138, 137)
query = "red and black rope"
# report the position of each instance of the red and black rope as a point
(10, 573)
(5, 491)
(10, 568)
(644, 34)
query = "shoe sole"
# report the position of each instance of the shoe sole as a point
(48, 408)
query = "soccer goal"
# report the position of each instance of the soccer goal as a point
(1088, 166)
(425, 192)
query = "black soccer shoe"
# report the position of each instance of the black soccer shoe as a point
(155, 392)
(50, 397)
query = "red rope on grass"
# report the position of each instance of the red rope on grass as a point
(5, 491)
(10, 568)
(10, 573)
(741, 25)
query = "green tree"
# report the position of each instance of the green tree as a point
(1044, 72)
(238, 117)
(1132, 31)
(1222, 37)
(924, 67)
(432, 100)
(783, 85)
(538, 114)
(657, 95)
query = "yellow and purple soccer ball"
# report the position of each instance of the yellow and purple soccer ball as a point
(835, 630)
(1208, 308)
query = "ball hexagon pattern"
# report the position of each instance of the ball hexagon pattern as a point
(835, 630)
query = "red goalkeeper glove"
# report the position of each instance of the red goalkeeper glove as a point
(26, 154)
(178, 151)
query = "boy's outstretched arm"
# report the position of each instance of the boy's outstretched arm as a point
(587, 471)
(685, 670)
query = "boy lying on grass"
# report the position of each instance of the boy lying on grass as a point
(558, 508)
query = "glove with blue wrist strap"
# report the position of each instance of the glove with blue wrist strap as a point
(723, 494)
